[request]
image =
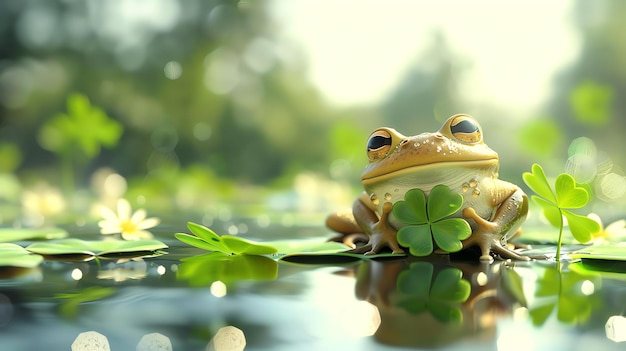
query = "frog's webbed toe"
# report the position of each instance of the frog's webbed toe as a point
(487, 237)
(382, 236)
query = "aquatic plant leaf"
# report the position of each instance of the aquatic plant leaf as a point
(413, 209)
(20, 234)
(199, 243)
(207, 235)
(602, 252)
(242, 246)
(12, 255)
(103, 248)
(417, 238)
(442, 203)
(581, 227)
(537, 182)
(203, 270)
(569, 195)
(207, 239)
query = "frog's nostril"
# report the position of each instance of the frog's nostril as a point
(403, 142)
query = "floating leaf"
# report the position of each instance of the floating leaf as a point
(21, 234)
(105, 248)
(207, 239)
(12, 255)
(602, 252)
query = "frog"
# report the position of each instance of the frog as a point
(456, 156)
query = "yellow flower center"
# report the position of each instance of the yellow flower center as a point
(128, 226)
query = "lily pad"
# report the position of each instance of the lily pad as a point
(601, 252)
(19, 234)
(12, 255)
(91, 249)
(205, 238)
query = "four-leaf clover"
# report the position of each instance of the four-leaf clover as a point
(428, 220)
(558, 203)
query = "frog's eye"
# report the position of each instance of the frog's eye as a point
(378, 144)
(466, 130)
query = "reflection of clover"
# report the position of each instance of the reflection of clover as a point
(556, 204)
(441, 297)
(427, 221)
(570, 294)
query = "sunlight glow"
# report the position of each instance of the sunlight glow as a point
(615, 328)
(587, 288)
(218, 289)
(77, 274)
(358, 51)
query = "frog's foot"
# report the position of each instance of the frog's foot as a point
(350, 240)
(487, 237)
(382, 235)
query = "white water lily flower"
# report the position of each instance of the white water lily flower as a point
(132, 226)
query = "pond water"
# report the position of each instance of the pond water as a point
(398, 304)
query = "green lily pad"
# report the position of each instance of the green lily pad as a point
(601, 252)
(12, 255)
(206, 239)
(21, 234)
(91, 249)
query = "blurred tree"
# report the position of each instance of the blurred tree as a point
(191, 82)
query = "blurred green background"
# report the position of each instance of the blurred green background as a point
(202, 108)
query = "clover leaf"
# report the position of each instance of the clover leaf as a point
(207, 239)
(557, 204)
(427, 220)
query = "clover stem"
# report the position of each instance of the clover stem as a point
(558, 244)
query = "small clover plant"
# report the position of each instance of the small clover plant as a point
(556, 203)
(207, 239)
(427, 221)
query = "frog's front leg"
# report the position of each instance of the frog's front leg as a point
(492, 235)
(381, 233)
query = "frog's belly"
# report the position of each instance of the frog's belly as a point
(474, 185)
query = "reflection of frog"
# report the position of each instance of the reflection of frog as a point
(454, 156)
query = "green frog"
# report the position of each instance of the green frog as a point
(455, 156)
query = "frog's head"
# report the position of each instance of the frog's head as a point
(458, 142)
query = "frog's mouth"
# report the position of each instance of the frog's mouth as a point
(433, 173)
